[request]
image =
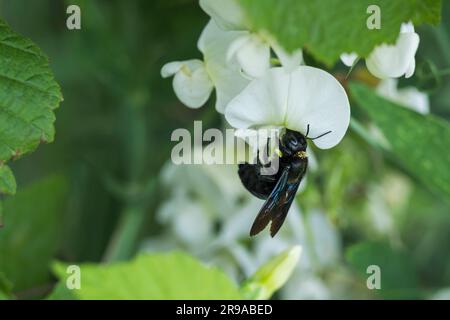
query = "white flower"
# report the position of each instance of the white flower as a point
(227, 14)
(349, 58)
(409, 97)
(391, 61)
(195, 79)
(191, 83)
(295, 100)
(251, 50)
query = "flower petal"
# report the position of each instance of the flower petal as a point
(411, 69)
(306, 96)
(252, 54)
(191, 83)
(409, 97)
(317, 99)
(226, 76)
(349, 58)
(262, 102)
(407, 27)
(393, 61)
(288, 60)
(171, 68)
(227, 14)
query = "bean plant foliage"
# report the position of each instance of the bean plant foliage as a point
(31, 225)
(28, 99)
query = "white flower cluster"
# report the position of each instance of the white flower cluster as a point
(251, 92)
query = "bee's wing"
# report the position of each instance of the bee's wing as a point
(285, 204)
(272, 204)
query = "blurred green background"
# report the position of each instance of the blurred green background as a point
(103, 190)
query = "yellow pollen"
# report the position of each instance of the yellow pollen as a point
(301, 155)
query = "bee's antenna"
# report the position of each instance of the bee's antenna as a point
(320, 136)
(307, 131)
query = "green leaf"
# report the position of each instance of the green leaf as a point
(28, 97)
(7, 181)
(397, 273)
(420, 143)
(61, 292)
(30, 232)
(152, 276)
(328, 28)
(428, 11)
(271, 276)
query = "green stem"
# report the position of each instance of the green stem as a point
(124, 241)
(125, 237)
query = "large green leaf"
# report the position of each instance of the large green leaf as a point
(151, 276)
(30, 232)
(420, 143)
(398, 277)
(28, 97)
(328, 28)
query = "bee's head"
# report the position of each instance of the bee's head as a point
(292, 142)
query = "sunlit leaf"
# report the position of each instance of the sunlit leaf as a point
(272, 276)
(152, 276)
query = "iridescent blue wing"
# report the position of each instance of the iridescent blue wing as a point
(285, 204)
(271, 207)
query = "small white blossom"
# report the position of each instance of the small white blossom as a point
(195, 79)
(391, 61)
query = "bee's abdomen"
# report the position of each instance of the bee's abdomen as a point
(260, 186)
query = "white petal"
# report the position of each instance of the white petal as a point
(261, 103)
(416, 100)
(226, 76)
(409, 97)
(349, 58)
(393, 61)
(407, 27)
(252, 54)
(288, 60)
(317, 99)
(411, 69)
(169, 69)
(191, 83)
(227, 14)
(306, 96)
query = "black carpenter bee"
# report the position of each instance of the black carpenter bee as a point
(280, 188)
